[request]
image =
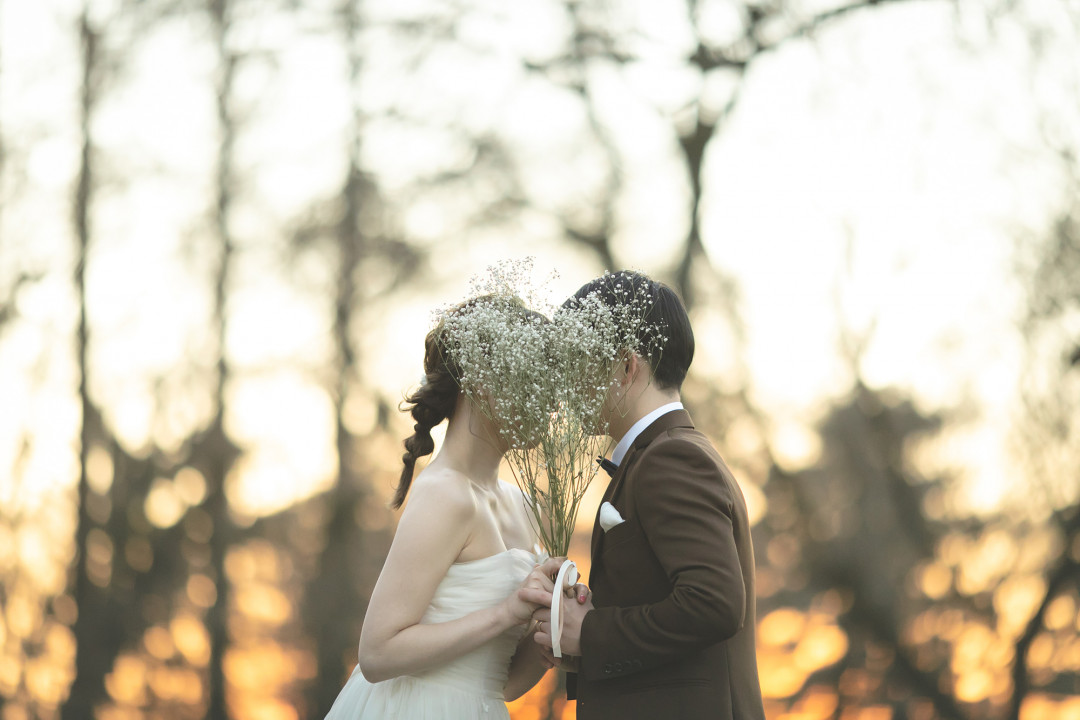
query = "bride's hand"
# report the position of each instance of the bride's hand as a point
(535, 591)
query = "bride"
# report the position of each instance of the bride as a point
(445, 634)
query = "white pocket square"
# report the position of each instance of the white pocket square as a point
(609, 516)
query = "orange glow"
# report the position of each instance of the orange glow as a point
(953, 548)
(24, 616)
(180, 685)
(8, 555)
(1041, 652)
(921, 629)
(46, 681)
(201, 591)
(792, 645)
(950, 624)
(969, 650)
(118, 713)
(263, 709)
(823, 645)
(190, 486)
(10, 674)
(1061, 613)
(127, 682)
(99, 469)
(779, 677)
(159, 643)
(533, 705)
(526, 707)
(781, 627)
(60, 643)
(256, 560)
(259, 666)
(819, 703)
(875, 712)
(264, 603)
(1043, 707)
(974, 685)
(240, 565)
(42, 558)
(1015, 602)
(934, 580)
(1038, 547)
(1071, 657)
(191, 639)
(164, 507)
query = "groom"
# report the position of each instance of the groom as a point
(669, 629)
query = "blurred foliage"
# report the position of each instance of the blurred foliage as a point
(137, 585)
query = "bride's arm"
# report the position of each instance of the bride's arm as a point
(433, 528)
(528, 664)
(526, 667)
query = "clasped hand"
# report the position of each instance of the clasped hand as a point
(537, 591)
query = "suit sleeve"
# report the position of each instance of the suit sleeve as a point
(684, 506)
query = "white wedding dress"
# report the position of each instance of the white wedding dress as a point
(468, 687)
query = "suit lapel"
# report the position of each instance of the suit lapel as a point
(667, 421)
(597, 531)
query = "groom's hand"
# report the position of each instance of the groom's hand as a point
(573, 613)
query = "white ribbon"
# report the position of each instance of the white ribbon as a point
(568, 576)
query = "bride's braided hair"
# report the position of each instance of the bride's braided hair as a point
(430, 404)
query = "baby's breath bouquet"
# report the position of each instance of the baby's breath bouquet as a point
(542, 373)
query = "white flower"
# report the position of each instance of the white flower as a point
(541, 372)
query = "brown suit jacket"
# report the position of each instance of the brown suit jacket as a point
(672, 635)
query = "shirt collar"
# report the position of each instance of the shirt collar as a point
(628, 439)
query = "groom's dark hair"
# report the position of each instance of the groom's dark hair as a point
(664, 314)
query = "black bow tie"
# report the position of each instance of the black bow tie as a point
(607, 466)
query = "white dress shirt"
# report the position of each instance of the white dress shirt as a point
(628, 439)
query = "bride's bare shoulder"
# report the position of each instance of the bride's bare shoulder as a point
(512, 490)
(443, 489)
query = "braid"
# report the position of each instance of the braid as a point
(429, 405)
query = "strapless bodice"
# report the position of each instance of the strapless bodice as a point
(469, 687)
(471, 586)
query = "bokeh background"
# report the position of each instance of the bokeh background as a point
(224, 224)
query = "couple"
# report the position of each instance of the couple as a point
(459, 618)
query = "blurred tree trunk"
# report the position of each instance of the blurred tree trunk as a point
(97, 633)
(219, 452)
(1062, 576)
(334, 595)
(1050, 396)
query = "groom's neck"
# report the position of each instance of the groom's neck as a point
(648, 400)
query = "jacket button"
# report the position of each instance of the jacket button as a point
(607, 669)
